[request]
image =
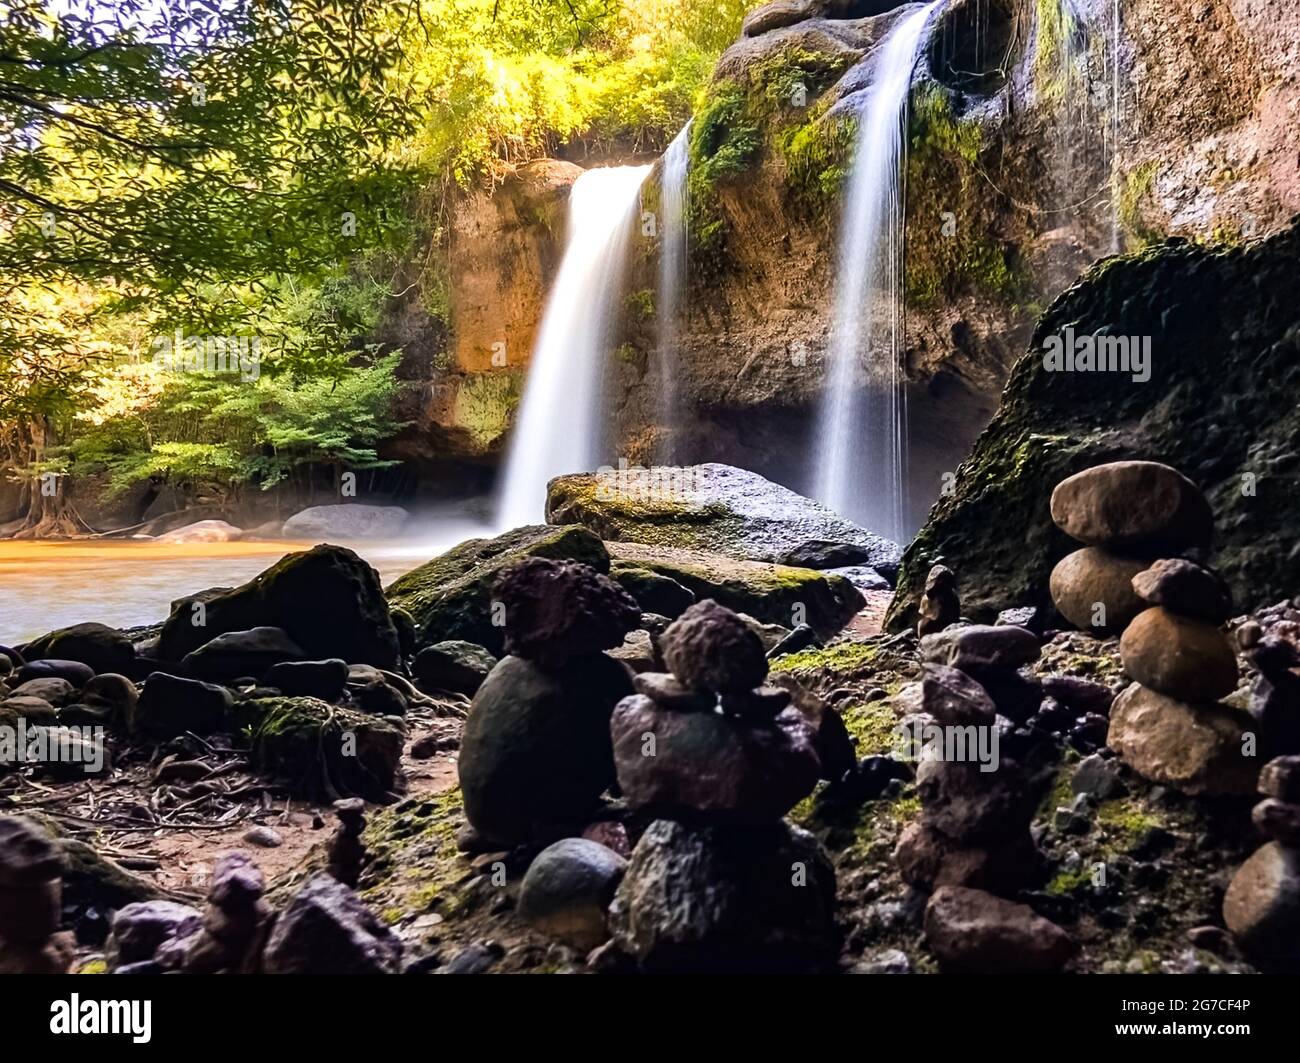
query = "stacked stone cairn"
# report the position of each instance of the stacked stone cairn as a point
(939, 604)
(974, 825)
(719, 880)
(1136, 517)
(1262, 905)
(31, 898)
(535, 755)
(347, 853)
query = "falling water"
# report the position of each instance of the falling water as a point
(672, 287)
(861, 448)
(1114, 125)
(559, 425)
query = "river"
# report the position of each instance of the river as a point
(123, 583)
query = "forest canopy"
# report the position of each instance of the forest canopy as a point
(273, 171)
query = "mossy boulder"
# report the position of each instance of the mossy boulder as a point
(1222, 406)
(775, 594)
(451, 596)
(322, 750)
(102, 648)
(712, 507)
(328, 600)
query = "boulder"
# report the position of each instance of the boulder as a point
(349, 520)
(451, 597)
(1093, 590)
(1185, 587)
(713, 507)
(711, 648)
(453, 665)
(975, 932)
(928, 859)
(102, 648)
(34, 710)
(955, 699)
(1262, 906)
(202, 531)
(717, 899)
(74, 672)
(980, 650)
(567, 890)
(325, 929)
(774, 594)
(1133, 506)
(1211, 310)
(316, 679)
(835, 749)
(653, 592)
(969, 805)
(320, 749)
(56, 691)
(326, 599)
(536, 747)
(1197, 748)
(1081, 695)
(558, 610)
(711, 763)
(1177, 657)
(140, 928)
(169, 705)
(242, 653)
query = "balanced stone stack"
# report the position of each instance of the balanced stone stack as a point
(939, 605)
(1168, 725)
(31, 896)
(1127, 514)
(535, 755)
(720, 881)
(235, 920)
(975, 810)
(347, 853)
(1262, 905)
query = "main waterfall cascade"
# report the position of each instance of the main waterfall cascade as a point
(672, 288)
(861, 450)
(559, 427)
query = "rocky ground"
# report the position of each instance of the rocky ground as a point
(532, 754)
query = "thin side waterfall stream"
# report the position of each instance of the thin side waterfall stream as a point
(861, 450)
(559, 427)
(672, 287)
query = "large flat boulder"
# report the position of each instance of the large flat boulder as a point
(776, 594)
(714, 507)
(450, 597)
(327, 599)
(350, 520)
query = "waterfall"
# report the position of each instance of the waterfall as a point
(672, 287)
(560, 425)
(862, 431)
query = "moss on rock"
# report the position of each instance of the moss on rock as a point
(450, 597)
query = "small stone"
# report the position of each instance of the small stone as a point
(664, 688)
(1280, 778)
(453, 665)
(28, 855)
(760, 705)
(1212, 939)
(325, 929)
(611, 834)
(1185, 587)
(981, 650)
(567, 889)
(1196, 748)
(1138, 505)
(1081, 695)
(141, 928)
(53, 689)
(939, 605)
(558, 610)
(953, 698)
(474, 959)
(802, 637)
(316, 679)
(1093, 589)
(1177, 657)
(887, 961)
(1030, 617)
(1262, 905)
(973, 931)
(1279, 820)
(710, 648)
(1098, 778)
(637, 652)
(263, 837)
(708, 762)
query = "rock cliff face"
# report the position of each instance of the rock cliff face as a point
(1037, 143)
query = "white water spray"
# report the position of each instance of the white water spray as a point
(559, 427)
(672, 286)
(862, 431)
